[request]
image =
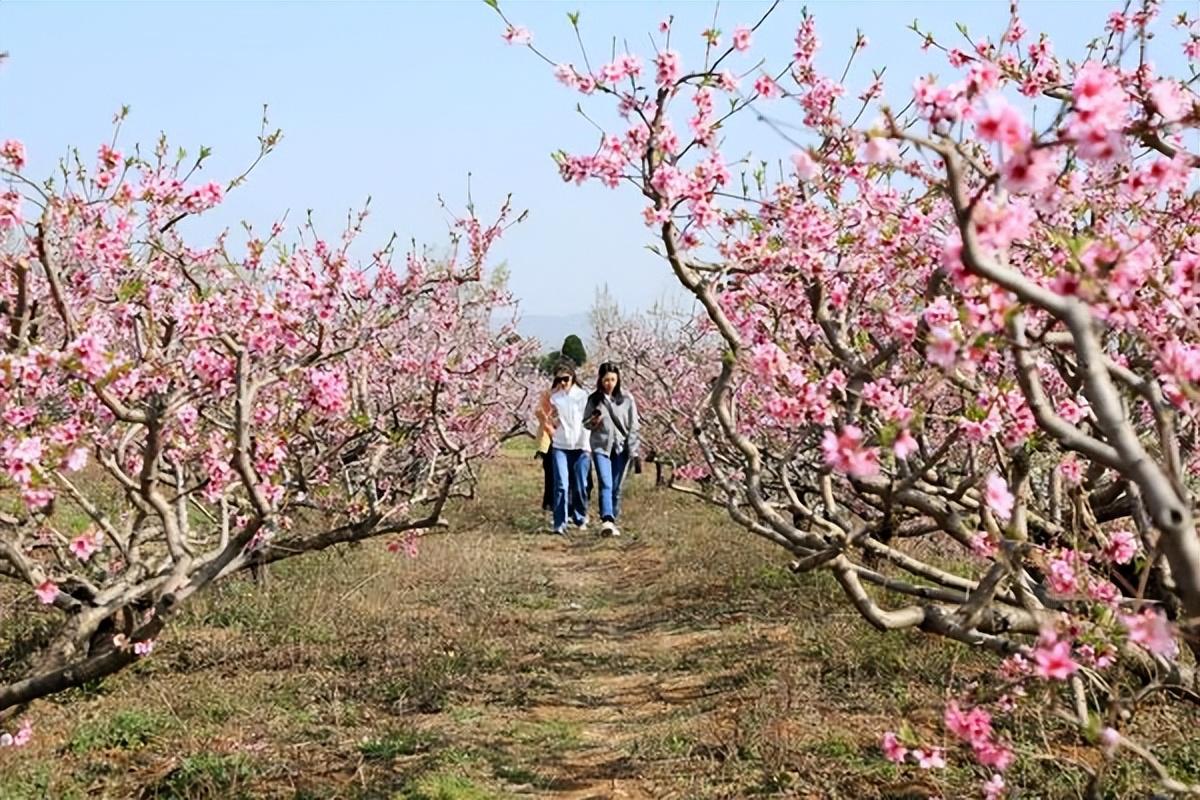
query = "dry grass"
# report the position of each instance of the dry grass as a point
(679, 661)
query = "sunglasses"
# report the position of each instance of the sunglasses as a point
(562, 379)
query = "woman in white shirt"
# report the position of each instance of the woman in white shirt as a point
(569, 450)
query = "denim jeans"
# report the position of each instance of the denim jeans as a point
(571, 469)
(610, 470)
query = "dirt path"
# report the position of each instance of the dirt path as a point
(623, 650)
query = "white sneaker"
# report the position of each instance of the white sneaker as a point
(582, 524)
(614, 530)
(606, 528)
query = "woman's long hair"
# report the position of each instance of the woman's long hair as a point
(606, 368)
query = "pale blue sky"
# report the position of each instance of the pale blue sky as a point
(401, 100)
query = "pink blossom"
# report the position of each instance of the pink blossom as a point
(845, 453)
(1061, 574)
(880, 150)
(982, 77)
(1109, 740)
(892, 749)
(1100, 112)
(768, 360)
(1027, 171)
(18, 739)
(46, 591)
(36, 498)
(994, 788)
(998, 121)
(85, 545)
(1103, 659)
(77, 459)
(90, 349)
(741, 38)
(669, 68)
(905, 445)
(933, 758)
(108, 157)
(766, 87)
(998, 498)
(971, 726)
(517, 34)
(1171, 100)
(984, 546)
(806, 167)
(19, 416)
(942, 348)
(1150, 629)
(1072, 411)
(655, 216)
(328, 391)
(565, 74)
(13, 151)
(1052, 658)
(1103, 592)
(23, 734)
(1072, 470)
(1121, 548)
(10, 210)
(204, 197)
(993, 755)
(143, 647)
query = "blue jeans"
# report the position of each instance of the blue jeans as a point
(610, 470)
(571, 469)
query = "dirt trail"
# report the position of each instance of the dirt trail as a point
(612, 661)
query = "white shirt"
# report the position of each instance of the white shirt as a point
(570, 433)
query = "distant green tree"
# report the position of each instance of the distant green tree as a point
(549, 361)
(572, 348)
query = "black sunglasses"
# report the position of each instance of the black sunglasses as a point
(562, 379)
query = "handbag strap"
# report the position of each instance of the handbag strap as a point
(612, 414)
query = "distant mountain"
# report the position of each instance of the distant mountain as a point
(551, 329)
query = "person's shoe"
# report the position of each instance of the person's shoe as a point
(582, 524)
(614, 530)
(606, 527)
(553, 531)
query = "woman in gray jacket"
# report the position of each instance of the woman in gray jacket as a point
(611, 416)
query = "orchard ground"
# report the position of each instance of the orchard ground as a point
(681, 660)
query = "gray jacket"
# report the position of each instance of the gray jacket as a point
(605, 437)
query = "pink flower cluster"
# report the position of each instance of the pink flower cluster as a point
(517, 34)
(845, 453)
(669, 68)
(1052, 657)
(1100, 111)
(1150, 630)
(624, 66)
(998, 497)
(328, 392)
(18, 739)
(13, 152)
(924, 757)
(204, 197)
(975, 728)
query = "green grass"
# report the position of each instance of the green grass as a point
(125, 730)
(397, 743)
(550, 735)
(207, 775)
(443, 786)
